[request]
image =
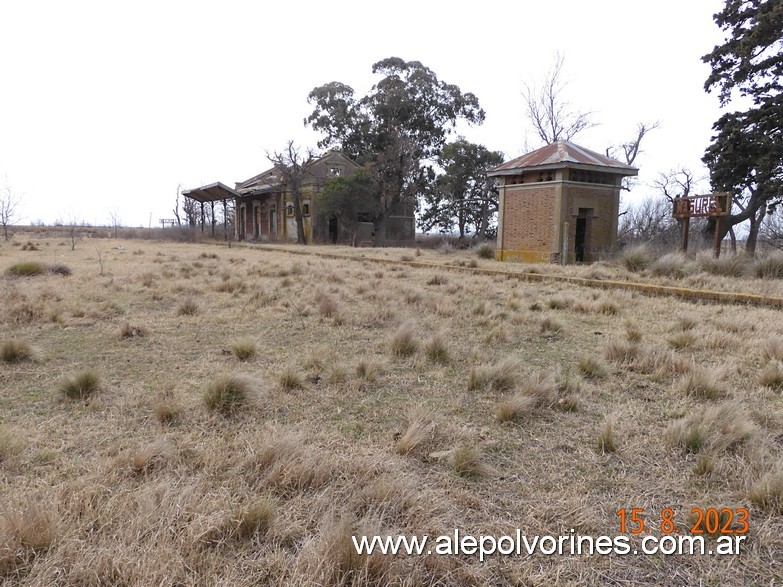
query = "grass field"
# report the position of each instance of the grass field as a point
(192, 414)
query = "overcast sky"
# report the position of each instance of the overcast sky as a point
(109, 106)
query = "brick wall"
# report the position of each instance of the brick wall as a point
(528, 217)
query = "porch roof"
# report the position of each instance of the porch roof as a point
(213, 192)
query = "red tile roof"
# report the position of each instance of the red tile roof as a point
(563, 154)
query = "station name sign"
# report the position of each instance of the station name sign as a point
(702, 206)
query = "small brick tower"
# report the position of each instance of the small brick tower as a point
(558, 203)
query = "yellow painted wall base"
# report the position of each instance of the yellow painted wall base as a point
(522, 256)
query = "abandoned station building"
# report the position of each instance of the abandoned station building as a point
(558, 203)
(264, 207)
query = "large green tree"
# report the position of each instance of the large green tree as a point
(349, 198)
(462, 195)
(395, 131)
(745, 157)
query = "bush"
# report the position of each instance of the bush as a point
(60, 269)
(485, 251)
(636, 259)
(26, 269)
(770, 267)
(80, 386)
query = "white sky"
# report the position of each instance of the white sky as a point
(108, 106)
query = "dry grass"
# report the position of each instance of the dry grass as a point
(228, 394)
(128, 331)
(772, 376)
(502, 376)
(15, 351)
(466, 461)
(142, 485)
(767, 492)
(290, 379)
(403, 342)
(188, 308)
(607, 439)
(80, 386)
(244, 349)
(702, 384)
(591, 367)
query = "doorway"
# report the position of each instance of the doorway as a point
(581, 237)
(333, 229)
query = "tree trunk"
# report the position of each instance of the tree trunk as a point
(733, 240)
(484, 222)
(753, 235)
(301, 237)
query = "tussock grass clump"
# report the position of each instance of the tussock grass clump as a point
(327, 306)
(498, 333)
(466, 462)
(503, 376)
(151, 457)
(702, 384)
(81, 385)
(772, 376)
(188, 308)
(542, 389)
(256, 519)
(26, 269)
(485, 251)
(725, 266)
(16, 351)
(167, 410)
(767, 492)
(244, 349)
(559, 302)
(11, 443)
(437, 349)
(403, 342)
(60, 269)
(772, 349)
(227, 394)
(620, 351)
(26, 531)
(437, 280)
(682, 340)
(636, 259)
(128, 331)
(632, 333)
(715, 429)
(369, 370)
(770, 267)
(515, 408)
(550, 325)
(673, 265)
(420, 429)
(591, 367)
(607, 440)
(337, 374)
(290, 379)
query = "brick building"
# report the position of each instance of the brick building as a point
(558, 203)
(264, 206)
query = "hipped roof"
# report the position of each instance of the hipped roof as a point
(563, 154)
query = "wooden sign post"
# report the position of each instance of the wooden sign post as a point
(709, 206)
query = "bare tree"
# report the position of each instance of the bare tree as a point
(176, 205)
(9, 202)
(190, 209)
(552, 116)
(116, 221)
(291, 164)
(650, 222)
